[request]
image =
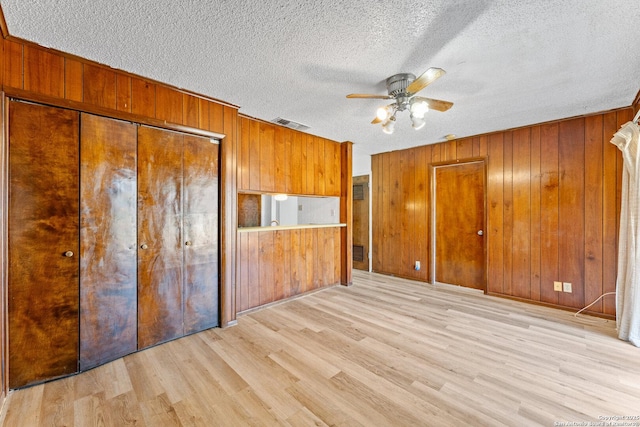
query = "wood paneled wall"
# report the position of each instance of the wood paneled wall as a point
(273, 265)
(275, 159)
(553, 206)
(31, 72)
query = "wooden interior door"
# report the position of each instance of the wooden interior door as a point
(108, 263)
(361, 222)
(200, 212)
(459, 224)
(160, 241)
(43, 243)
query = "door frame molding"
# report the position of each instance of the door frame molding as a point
(432, 214)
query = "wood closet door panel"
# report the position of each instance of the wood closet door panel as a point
(200, 212)
(43, 227)
(159, 236)
(108, 290)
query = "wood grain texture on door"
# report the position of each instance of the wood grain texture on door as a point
(160, 242)
(201, 252)
(43, 243)
(108, 291)
(459, 210)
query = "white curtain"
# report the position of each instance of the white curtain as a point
(628, 283)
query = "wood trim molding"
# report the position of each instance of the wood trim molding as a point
(3, 24)
(4, 248)
(346, 213)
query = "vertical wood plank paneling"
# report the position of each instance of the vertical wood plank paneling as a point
(377, 189)
(609, 210)
(99, 86)
(319, 165)
(278, 254)
(168, 104)
(593, 210)
(254, 155)
(73, 80)
(287, 263)
(521, 239)
(420, 215)
(495, 198)
(296, 164)
(265, 242)
(294, 257)
(549, 201)
(309, 155)
(309, 257)
(143, 98)
(535, 213)
(464, 148)
(203, 114)
(288, 147)
(43, 72)
(544, 223)
(391, 223)
(571, 209)
(123, 92)
(508, 214)
(253, 254)
(217, 117)
(267, 157)
(244, 132)
(190, 110)
(244, 281)
(13, 64)
(332, 163)
(278, 167)
(405, 191)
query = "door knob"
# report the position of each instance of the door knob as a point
(68, 254)
(480, 232)
(188, 243)
(143, 246)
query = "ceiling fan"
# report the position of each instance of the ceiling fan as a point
(403, 88)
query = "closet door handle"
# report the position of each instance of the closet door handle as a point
(68, 254)
(188, 243)
(143, 246)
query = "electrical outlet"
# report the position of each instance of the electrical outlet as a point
(557, 286)
(417, 266)
(566, 287)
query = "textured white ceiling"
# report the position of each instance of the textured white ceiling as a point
(509, 63)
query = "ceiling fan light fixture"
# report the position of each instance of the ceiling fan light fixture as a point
(389, 125)
(418, 108)
(417, 122)
(382, 113)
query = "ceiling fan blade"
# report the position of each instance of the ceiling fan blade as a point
(367, 96)
(376, 121)
(428, 77)
(435, 104)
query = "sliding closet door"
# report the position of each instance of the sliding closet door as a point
(108, 292)
(200, 210)
(160, 241)
(43, 243)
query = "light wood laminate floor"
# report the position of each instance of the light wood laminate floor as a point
(384, 351)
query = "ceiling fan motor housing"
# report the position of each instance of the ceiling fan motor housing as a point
(397, 87)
